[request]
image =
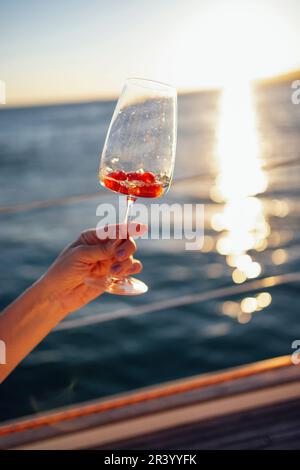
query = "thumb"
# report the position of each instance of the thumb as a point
(121, 231)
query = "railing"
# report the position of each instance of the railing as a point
(223, 292)
(214, 294)
(28, 206)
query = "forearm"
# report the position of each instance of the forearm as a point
(64, 289)
(25, 322)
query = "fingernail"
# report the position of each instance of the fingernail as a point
(121, 253)
(116, 268)
(137, 230)
(133, 269)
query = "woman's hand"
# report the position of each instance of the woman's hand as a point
(82, 270)
(78, 275)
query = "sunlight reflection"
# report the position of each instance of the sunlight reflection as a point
(242, 224)
(242, 311)
(279, 256)
(238, 151)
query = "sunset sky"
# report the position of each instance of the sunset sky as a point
(64, 50)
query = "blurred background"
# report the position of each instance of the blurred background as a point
(233, 62)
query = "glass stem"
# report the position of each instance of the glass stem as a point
(130, 201)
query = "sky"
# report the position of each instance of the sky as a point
(72, 50)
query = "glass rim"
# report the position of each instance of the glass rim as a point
(148, 83)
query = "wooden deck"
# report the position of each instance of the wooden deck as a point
(251, 407)
(275, 427)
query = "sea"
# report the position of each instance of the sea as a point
(238, 155)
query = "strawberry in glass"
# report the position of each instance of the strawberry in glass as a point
(139, 151)
(135, 183)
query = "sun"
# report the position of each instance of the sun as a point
(234, 40)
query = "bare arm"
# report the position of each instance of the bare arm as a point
(78, 276)
(25, 322)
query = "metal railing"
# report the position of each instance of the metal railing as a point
(74, 199)
(214, 294)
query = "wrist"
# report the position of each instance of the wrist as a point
(49, 296)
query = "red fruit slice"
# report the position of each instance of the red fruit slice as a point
(123, 189)
(118, 175)
(115, 186)
(134, 176)
(153, 190)
(111, 184)
(134, 191)
(148, 177)
(145, 186)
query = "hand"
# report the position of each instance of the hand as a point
(82, 270)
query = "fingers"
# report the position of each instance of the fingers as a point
(91, 249)
(119, 269)
(104, 252)
(89, 237)
(111, 232)
(125, 249)
(92, 253)
(129, 266)
(101, 268)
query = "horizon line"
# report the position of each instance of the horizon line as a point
(105, 98)
(282, 77)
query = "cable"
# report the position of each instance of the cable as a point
(84, 197)
(213, 294)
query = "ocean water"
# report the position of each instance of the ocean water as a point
(247, 154)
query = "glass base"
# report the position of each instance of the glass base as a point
(126, 286)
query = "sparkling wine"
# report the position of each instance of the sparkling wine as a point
(138, 183)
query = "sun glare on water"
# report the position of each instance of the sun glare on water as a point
(256, 42)
(242, 221)
(240, 179)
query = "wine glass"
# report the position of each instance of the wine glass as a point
(139, 152)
